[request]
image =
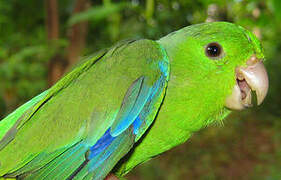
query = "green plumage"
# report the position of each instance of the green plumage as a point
(50, 136)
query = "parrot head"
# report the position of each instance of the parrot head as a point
(218, 65)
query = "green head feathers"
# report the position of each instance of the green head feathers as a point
(203, 78)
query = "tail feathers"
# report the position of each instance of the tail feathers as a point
(36, 163)
(79, 162)
(62, 166)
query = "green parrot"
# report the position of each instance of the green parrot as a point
(142, 96)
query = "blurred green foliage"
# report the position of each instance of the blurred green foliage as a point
(248, 146)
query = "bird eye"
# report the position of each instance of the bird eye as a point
(213, 50)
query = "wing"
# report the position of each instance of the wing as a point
(14, 124)
(7, 123)
(87, 122)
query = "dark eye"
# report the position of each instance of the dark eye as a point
(213, 50)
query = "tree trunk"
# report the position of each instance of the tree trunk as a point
(77, 37)
(52, 19)
(57, 64)
(77, 34)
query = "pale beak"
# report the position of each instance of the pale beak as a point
(251, 78)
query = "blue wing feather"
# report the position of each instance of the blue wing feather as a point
(101, 144)
(98, 166)
(126, 118)
(142, 123)
(136, 124)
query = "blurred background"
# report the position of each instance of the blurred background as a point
(41, 40)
